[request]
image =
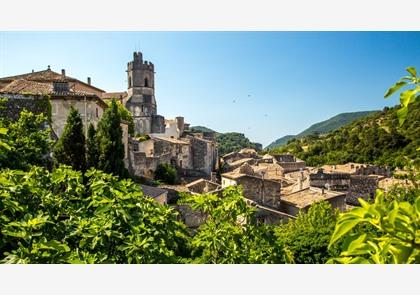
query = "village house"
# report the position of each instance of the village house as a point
(158, 194)
(356, 180)
(29, 90)
(156, 140)
(301, 200)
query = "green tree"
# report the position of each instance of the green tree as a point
(396, 237)
(3, 144)
(166, 173)
(92, 154)
(125, 115)
(67, 217)
(409, 96)
(28, 140)
(70, 147)
(309, 235)
(109, 140)
(230, 234)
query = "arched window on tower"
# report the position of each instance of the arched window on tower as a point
(129, 82)
(146, 82)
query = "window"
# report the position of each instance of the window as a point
(129, 82)
(146, 82)
(97, 113)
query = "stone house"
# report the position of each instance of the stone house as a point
(63, 92)
(289, 163)
(354, 185)
(158, 194)
(191, 154)
(301, 200)
(203, 186)
(265, 192)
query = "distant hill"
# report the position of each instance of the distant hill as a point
(201, 129)
(375, 139)
(229, 141)
(323, 127)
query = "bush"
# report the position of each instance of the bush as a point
(166, 173)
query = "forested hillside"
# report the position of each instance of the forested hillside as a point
(376, 139)
(230, 141)
(323, 127)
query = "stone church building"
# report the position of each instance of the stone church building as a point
(156, 140)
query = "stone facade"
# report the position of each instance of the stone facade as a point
(53, 94)
(334, 181)
(140, 100)
(355, 186)
(265, 192)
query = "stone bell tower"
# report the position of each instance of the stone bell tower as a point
(141, 100)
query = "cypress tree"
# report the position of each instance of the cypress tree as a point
(70, 147)
(92, 156)
(110, 145)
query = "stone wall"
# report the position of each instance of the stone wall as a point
(158, 124)
(60, 109)
(362, 186)
(17, 102)
(285, 158)
(292, 166)
(264, 192)
(335, 181)
(191, 218)
(202, 186)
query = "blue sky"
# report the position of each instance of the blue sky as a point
(263, 84)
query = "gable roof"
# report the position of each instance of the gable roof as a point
(46, 76)
(151, 191)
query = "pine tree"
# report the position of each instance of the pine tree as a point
(70, 147)
(109, 139)
(92, 156)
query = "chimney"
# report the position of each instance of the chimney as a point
(322, 190)
(300, 183)
(33, 71)
(63, 73)
(48, 68)
(89, 81)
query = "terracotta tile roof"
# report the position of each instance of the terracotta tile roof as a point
(42, 76)
(308, 196)
(45, 76)
(151, 191)
(168, 139)
(22, 86)
(110, 95)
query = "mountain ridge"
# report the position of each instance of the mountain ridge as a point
(323, 127)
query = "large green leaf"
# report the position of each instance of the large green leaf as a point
(395, 88)
(344, 226)
(412, 71)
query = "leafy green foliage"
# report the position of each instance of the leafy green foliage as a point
(166, 173)
(323, 127)
(233, 141)
(70, 147)
(92, 153)
(376, 139)
(409, 96)
(397, 235)
(125, 116)
(29, 141)
(308, 236)
(109, 140)
(230, 234)
(3, 144)
(56, 218)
